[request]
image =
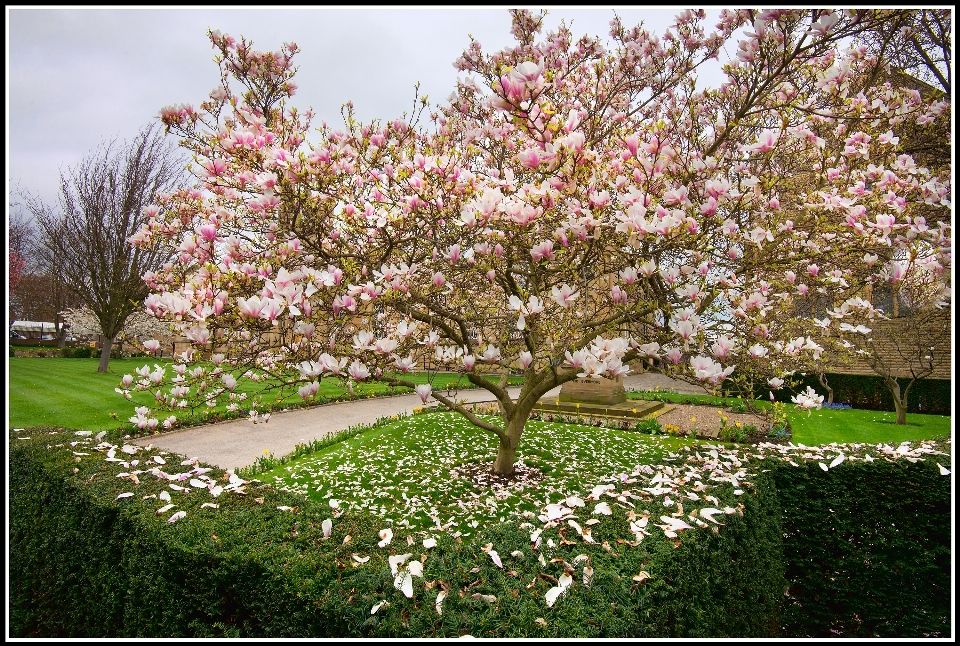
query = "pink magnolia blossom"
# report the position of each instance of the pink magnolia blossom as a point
(424, 390)
(723, 347)
(543, 250)
(673, 354)
(808, 400)
(358, 371)
(525, 359)
(564, 296)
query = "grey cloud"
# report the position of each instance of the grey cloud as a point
(78, 77)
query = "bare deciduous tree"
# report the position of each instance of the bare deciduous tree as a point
(907, 349)
(101, 204)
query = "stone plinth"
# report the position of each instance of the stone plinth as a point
(594, 391)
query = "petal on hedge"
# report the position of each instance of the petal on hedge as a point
(404, 583)
(552, 595)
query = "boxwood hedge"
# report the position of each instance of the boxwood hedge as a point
(85, 563)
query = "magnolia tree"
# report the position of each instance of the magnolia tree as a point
(574, 207)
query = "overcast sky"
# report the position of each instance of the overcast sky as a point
(78, 77)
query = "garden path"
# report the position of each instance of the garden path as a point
(238, 443)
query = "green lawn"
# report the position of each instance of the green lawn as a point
(71, 393)
(867, 426)
(824, 426)
(401, 471)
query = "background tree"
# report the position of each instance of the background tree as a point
(573, 207)
(914, 344)
(914, 43)
(139, 327)
(19, 237)
(39, 294)
(104, 199)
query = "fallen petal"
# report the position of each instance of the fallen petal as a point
(552, 595)
(602, 508)
(396, 561)
(404, 583)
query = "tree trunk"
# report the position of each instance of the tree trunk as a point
(899, 403)
(507, 451)
(506, 455)
(105, 354)
(823, 382)
(901, 411)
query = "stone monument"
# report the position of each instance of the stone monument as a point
(594, 391)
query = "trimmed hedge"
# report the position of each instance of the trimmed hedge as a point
(867, 547)
(82, 352)
(86, 564)
(868, 392)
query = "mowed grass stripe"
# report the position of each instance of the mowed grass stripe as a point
(68, 392)
(867, 426)
(72, 394)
